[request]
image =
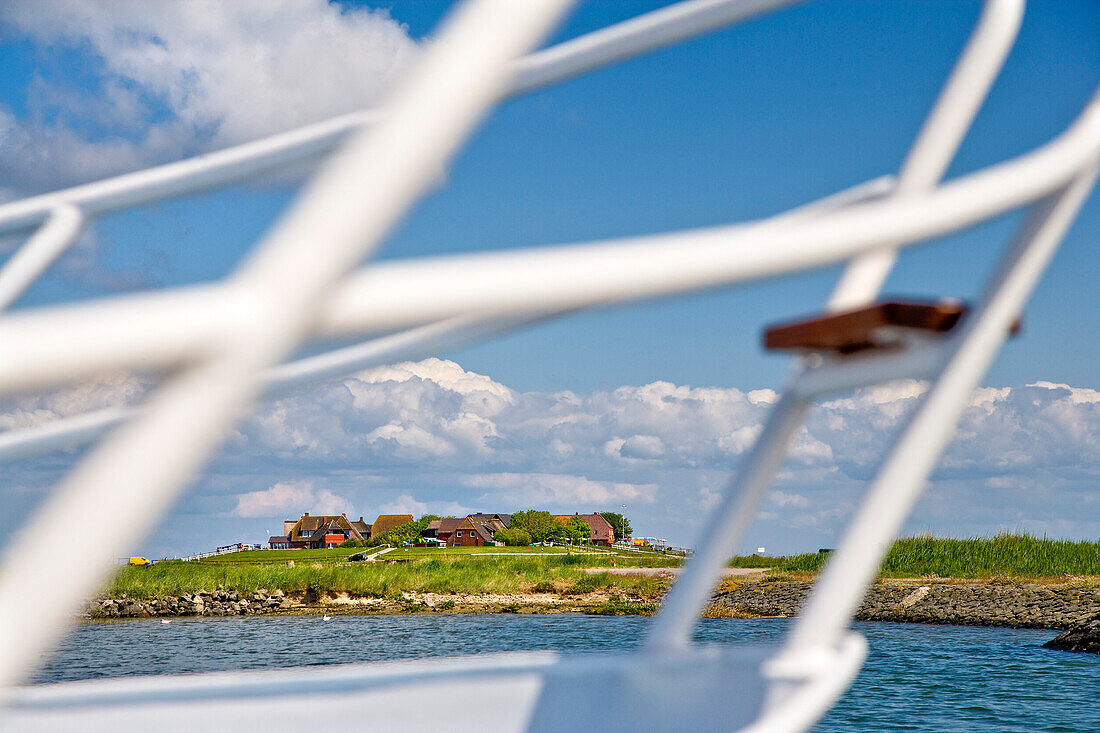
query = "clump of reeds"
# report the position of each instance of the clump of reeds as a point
(1003, 555)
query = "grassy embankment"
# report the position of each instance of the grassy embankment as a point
(341, 554)
(553, 569)
(454, 570)
(1002, 556)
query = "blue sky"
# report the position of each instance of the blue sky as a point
(741, 124)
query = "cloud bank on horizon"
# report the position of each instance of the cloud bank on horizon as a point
(433, 437)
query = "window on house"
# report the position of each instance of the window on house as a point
(460, 534)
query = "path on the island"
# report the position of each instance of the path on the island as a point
(380, 552)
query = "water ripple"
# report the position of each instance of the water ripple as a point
(917, 678)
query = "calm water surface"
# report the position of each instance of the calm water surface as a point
(917, 678)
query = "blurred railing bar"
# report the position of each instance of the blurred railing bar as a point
(415, 343)
(131, 479)
(161, 329)
(410, 344)
(939, 138)
(936, 144)
(605, 46)
(899, 481)
(61, 228)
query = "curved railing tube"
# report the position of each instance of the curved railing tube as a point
(617, 42)
(166, 328)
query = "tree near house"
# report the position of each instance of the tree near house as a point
(421, 525)
(539, 525)
(407, 532)
(619, 523)
(576, 530)
(513, 536)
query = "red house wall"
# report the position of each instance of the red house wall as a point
(468, 538)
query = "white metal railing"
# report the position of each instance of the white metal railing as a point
(926, 163)
(412, 343)
(401, 294)
(130, 480)
(224, 340)
(226, 550)
(645, 33)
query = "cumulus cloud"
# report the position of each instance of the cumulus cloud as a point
(547, 489)
(407, 504)
(781, 498)
(1075, 395)
(290, 499)
(158, 81)
(27, 410)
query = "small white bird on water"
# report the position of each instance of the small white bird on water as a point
(326, 618)
(165, 621)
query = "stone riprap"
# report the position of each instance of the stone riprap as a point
(1058, 606)
(1021, 605)
(227, 602)
(1084, 637)
(201, 603)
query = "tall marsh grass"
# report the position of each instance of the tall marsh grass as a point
(1003, 555)
(501, 574)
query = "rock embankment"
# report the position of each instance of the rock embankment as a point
(1059, 606)
(1022, 605)
(1084, 637)
(228, 602)
(201, 603)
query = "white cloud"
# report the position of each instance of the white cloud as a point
(406, 504)
(435, 414)
(478, 391)
(290, 499)
(781, 498)
(640, 447)
(1075, 395)
(546, 489)
(177, 77)
(31, 410)
(763, 396)
(708, 498)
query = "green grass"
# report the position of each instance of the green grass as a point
(754, 561)
(336, 554)
(624, 558)
(460, 574)
(977, 557)
(341, 554)
(417, 553)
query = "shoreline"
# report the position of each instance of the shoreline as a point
(1019, 604)
(229, 603)
(1012, 604)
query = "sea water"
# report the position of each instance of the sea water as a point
(916, 678)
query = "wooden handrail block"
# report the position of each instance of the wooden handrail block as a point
(846, 332)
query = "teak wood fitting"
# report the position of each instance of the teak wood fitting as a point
(859, 329)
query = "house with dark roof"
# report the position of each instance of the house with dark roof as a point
(386, 522)
(472, 534)
(443, 529)
(317, 531)
(602, 533)
(477, 530)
